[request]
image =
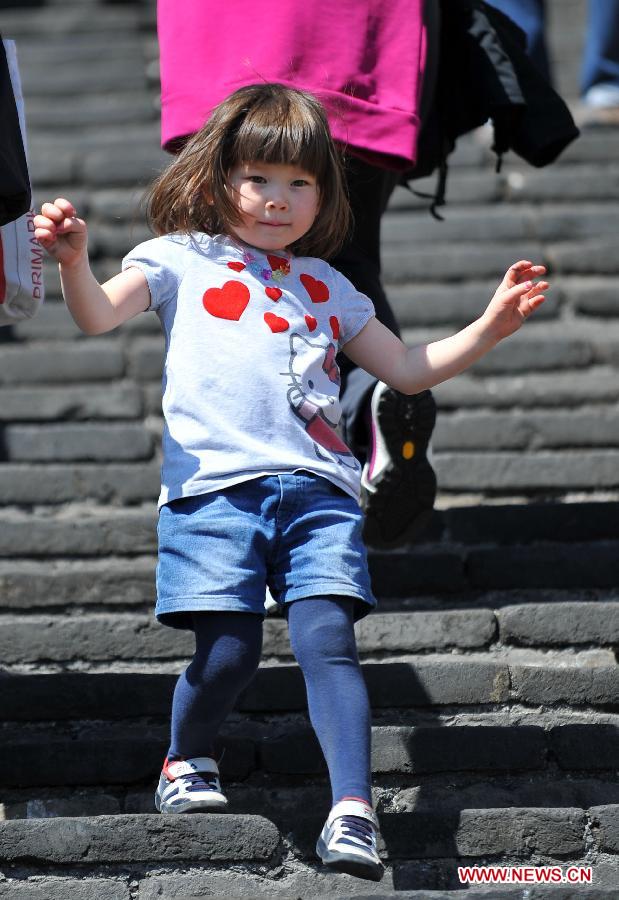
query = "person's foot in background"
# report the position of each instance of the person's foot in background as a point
(600, 106)
(398, 484)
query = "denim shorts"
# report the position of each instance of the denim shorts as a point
(296, 533)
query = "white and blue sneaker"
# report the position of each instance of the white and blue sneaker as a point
(190, 785)
(348, 840)
(398, 484)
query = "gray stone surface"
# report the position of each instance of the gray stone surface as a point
(485, 832)
(580, 747)
(125, 532)
(415, 631)
(545, 565)
(47, 363)
(605, 827)
(130, 636)
(96, 636)
(547, 685)
(579, 623)
(83, 442)
(597, 384)
(507, 472)
(51, 888)
(299, 881)
(463, 261)
(431, 305)
(111, 582)
(129, 483)
(156, 838)
(599, 427)
(121, 400)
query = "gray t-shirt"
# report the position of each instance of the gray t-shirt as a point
(250, 382)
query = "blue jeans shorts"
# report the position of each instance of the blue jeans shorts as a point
(296, 533)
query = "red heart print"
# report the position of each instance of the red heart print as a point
(318, 290)
(227, 302)
(273, 293)
(312, 324)
(276, 262)
(276, 323)
(335, 327)
(237, 266)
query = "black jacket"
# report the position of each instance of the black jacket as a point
(15, 196)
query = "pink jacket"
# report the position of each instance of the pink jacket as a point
(364, 59)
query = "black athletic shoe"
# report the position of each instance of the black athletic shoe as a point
(398, 484)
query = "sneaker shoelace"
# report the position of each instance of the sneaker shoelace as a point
(355, 828)
(199, 782)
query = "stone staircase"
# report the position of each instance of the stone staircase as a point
(491, 662)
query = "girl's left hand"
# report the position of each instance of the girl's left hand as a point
(515, 299)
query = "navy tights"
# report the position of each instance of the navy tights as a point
(228, 649)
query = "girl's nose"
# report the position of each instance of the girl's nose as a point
(277, 201)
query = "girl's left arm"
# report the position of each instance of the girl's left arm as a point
(411, 370)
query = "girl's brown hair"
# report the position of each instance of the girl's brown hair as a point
(267, 123)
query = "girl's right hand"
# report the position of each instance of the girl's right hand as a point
(61, 233)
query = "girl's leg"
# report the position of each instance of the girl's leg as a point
(228, 648)
(323, 641)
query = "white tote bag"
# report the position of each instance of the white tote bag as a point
(21, 256)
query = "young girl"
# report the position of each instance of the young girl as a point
(258, 490)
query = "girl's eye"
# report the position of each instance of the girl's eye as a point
(300, 182)
(256, 179)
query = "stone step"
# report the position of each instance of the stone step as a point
(412, 682)
(465, 260)
(284, 749)
(70, 403)
(558, 389)
(506, 222)
(74, 20)
(56, 484)
(562, 184)
(548, 474)
(86, 638)
(69, 442)
(550, 429)
(97, 531)
(45, 79)
(124, 853)
(88, 112)
(428, 585)
(577, 300)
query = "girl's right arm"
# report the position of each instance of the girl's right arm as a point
(95, 308)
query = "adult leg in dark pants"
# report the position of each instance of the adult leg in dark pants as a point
(388, 431)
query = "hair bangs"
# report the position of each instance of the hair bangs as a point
(286, 130)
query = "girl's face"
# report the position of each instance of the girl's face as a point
(278, 203)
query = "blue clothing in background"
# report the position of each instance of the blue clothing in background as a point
(601, 53)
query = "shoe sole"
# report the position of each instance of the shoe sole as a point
(401, 505)
(349, 864)
(189, 808)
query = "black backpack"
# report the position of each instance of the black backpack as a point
(484, 74)
(15, 195)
